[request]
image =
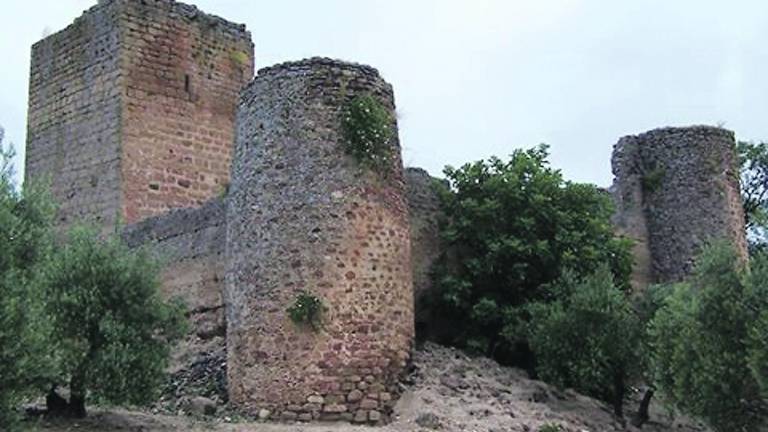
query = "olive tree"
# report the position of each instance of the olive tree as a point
(113, 329)
(25, 241)
(588, 338)
(705, 337)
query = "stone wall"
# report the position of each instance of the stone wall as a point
(74, 115)
(424, 210)
(675, 190)
(183, 72)
(303, 216)
(131, 109)
(190, 245)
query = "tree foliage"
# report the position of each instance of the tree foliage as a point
(756, 301)
(703, 341)
(512, 228)
(588, 338)
(753, 161)
(113, 330)
(25, 220)
(367, 131)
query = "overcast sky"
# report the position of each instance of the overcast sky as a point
(475, 78)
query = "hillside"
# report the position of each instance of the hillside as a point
(446, 391)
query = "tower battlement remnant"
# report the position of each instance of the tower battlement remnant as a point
(677, 189)
(304, 216)
(132, 107)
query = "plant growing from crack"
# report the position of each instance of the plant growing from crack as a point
(367, 132)
(306, 310)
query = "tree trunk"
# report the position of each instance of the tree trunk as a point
(55, 404)
(618, 392)
(77, 393)
(642, 415)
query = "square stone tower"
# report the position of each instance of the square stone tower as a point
(132, 109)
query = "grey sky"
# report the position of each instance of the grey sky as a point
(475, 78)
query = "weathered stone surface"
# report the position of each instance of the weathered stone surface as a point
(183, 72)
(361, 416)
(74, 116)
(315, 399)
(354, 396)
(131, 109)
(424, 209)
(374, 416)
(202, 406)
(303, 215)
(190, 244)
(675, 190)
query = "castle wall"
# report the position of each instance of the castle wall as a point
(190, 245)
(424, 210)
(677, 189)
(302, 215)
(183, 74)
(74, 117)
(131, 109)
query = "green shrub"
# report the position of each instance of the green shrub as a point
(756, 300)
(753, 179)
(588, 339)
(700, 354)
(550, 427)
(511, 229)
(113, 331)
(25, 235)
(758, 351)
(306, 309)
(367, 132)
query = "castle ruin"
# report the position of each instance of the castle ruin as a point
(675, 190)
(132, 107)
(305, 216)
(137, 113)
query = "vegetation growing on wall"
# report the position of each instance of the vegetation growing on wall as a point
(652, 180)
(306, 310)
(367, 128)
(240, 58)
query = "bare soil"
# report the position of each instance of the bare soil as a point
(447, 391)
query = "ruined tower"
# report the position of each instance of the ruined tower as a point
(675, 190)
(305, 216)
(131, 109)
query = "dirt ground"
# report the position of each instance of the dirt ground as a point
(448, 391)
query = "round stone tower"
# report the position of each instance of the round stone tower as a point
(675, 190)
(309, 221)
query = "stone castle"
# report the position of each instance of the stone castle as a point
(146, 112)
(676, 189)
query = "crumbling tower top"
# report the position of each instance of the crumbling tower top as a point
(676, 189)
(131, 109)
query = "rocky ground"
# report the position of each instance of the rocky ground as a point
(446, 391)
